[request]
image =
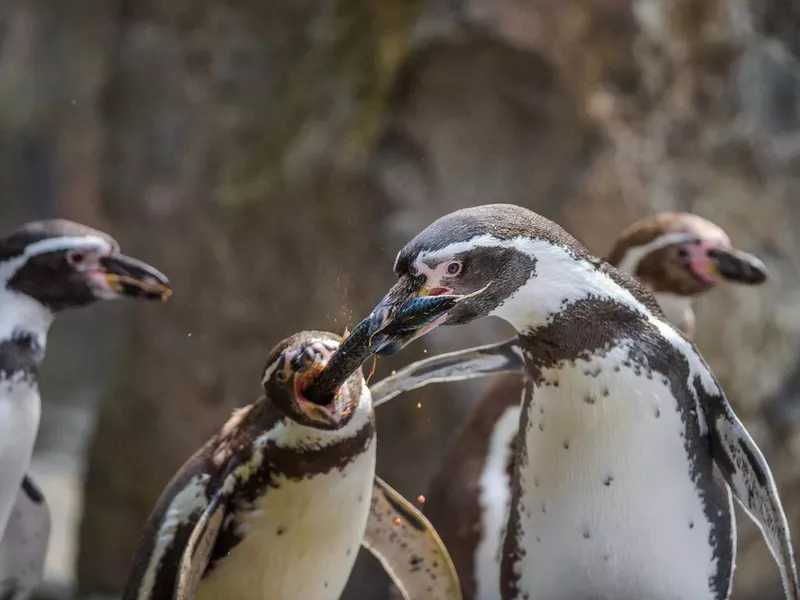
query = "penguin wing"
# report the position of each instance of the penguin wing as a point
(198, 549)
(749, 477)
(408, 547)
(24, 543)
(453, 366)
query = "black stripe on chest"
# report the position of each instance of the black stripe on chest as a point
(33, 493)
(592, 328)
(294, 464)
(20, 356)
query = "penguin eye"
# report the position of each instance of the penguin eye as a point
(281, 376)
(454, 268)
(76, 258)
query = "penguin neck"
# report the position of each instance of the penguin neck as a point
(677, 307)
(560, 279)
(24, 324)
(678, 310)
(290, 434)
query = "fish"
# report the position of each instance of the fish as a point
(374, 336)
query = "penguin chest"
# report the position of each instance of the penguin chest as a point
(19, 422)
(617, 495)
(299, 539)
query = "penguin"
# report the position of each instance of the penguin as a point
(45, 267)
(678, 257)
(628, 449)
(277, 503)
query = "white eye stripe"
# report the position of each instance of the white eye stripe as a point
(435, 257)
(448, 252)
(86, 242)
(634, 255)
(285, 356)
(269, 371)
(421, 268)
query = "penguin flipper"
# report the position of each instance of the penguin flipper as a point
(748, 475)
(408, 547)
(475, 362)
(24, 543)
(198, 549)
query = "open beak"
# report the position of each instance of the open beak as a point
(127, 276)
(404, 314)
(317, 412)
(737, 266)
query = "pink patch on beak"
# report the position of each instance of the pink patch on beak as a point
(701, 264)
(299, 387)
(438, 291)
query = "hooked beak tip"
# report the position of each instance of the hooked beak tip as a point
(738, 267)
(408, 312)
(130, 277)
(385, 312)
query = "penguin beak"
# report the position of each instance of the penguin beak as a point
(406, 313)
(737, 266)
(403, 315)
(316, 412)
(126, 276)
(307, 366)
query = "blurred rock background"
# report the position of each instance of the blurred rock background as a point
(271, 158)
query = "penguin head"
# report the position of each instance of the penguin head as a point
(507, 261)
(293, 365)
(61, 264)
(484, 256)
(683, 255)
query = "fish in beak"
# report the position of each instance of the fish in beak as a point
(126, 276)
(406, 313)
(736, 266)
(403, 315)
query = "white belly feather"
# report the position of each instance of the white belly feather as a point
(20, 408)
(301, 540)
(495, 499)
(609, 509)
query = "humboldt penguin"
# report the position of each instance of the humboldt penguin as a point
(276, 505)
(45, 267)
(628, 449)
(678, 257)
